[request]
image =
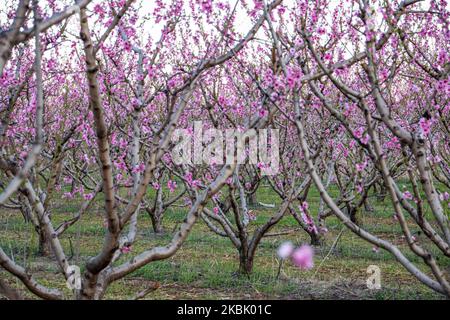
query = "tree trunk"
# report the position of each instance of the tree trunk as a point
(251, 200)
(367, 206)
(157, 223)
(353, 215)
(93, 287)
(25, 209)
(44, 244)
(316, 238)
(156, 213)
(245, 262)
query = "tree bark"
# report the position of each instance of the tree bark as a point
(245, 262)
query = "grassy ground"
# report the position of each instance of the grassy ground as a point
(205, 267)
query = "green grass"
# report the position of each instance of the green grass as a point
(206, 265)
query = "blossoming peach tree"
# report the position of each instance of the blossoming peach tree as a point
(355, 96)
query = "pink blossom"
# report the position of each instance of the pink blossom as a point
(156, 185)
(258, 4)
(425, 125)
(127, 46)
(120, 165)
(268, 78)
(361, 166)
(303, 257)
(358, 133)
(305, 205)
(68, 179)
(172, 185)
(191, 182)
(359, 188)
(88, 196)
(407, 195)
(139, 168)
(293, 77)
(444, 196)
(126, 249)
(68, 195)
(327, 57)
(99, 9)
(443, 56)
(261, 165)
(307, 218)
(251, 215)
(285, 250)
(206, 6)
(281, 10)
(365, 139)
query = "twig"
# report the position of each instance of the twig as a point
(153, 286)
(329, 252)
